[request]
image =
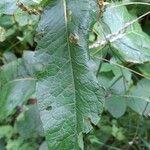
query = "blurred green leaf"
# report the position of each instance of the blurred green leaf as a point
(23, 18)
(116, 84)
(131, 44)
(116, 105)
(8, 6)
(43, 146)
(140, 98)
(6, 131)
(145, 69)
(2, 145)
(20, 144)
(28, 123)
(117, 133)
(16, 87)
(9, 57)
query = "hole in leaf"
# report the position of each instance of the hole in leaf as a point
(49, 108)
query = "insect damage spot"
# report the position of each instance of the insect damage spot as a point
(48, 108)
(73, 38)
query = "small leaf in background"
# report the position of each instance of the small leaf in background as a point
(16, 87)
(2, 145)
(146, 143)
(7, 6)
(6, 131)
(117, 132)
(43, 146)
(145, 69)
(117, 82)
(8, 57)
(20, 144)
(120, 94)
(10, 6)
(116, 105)
(140, 98)
(28, 123)
(6, 21)
(23, 18)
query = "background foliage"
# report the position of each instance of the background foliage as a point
(121, 67)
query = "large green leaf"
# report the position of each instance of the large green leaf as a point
(16, 86)
(69, 96)
(130, 43)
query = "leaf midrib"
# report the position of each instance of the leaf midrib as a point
(71, 63)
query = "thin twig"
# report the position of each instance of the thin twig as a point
(130, 3)
(133, 71)
(139, 123)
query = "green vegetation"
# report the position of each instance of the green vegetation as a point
(74, 75)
